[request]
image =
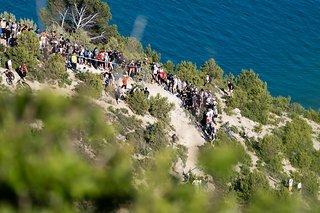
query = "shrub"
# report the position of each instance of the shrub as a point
(52, 70)
(269, 148)
(169, 66)
(152, 54)
(210, 67)
(280, 105)
(298, 142)
(252, 97)
(55, 69)
(296, 108)
(248, 183)
(156, 136)
(7, 16)
(187, 71)
(313, 115)
(91, 84)
(27, 51)
(138, 102)
(160, 107)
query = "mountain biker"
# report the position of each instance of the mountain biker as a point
(22, 71)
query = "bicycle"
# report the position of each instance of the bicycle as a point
(9, 77)
(22, 85)
(229, 131)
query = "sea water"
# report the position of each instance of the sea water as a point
(280, 40)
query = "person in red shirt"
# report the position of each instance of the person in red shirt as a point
(22, 71)
(124, 82)
(100, 60)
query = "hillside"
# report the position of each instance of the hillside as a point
(68, 146)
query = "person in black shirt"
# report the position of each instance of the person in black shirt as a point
(230, 87)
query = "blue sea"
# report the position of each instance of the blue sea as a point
(279, 39)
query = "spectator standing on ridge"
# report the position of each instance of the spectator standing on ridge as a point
(230, 87)
(290, 184)
(124, 82)
(118, 94)
(9, 65)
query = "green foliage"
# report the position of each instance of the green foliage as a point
(3, 57)
(252, 97)
(272, 202)
(280, 105)
(182, 153)
(160, 107)
(187, 71)
(169, 67)
(51, 14)
(156, 136)
(30, 24)
(133, 49)
(311, 185)
(210, 67)
(54, 69)
(298, 143)
(46, 173)
(296, 109)
(248, 183)
(269, 149)
(258, 128)
(80, 37)
(220, 161)
(27, 51)
(91, 84)
(161, 192)
(313, 115)
(7, 16)
(152, 54)
(138, 102)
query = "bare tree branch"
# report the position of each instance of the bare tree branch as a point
(97, 37)
(80, 19)
(63, 16)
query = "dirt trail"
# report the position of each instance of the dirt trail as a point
(188, 134)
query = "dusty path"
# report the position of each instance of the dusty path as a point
(188, 134)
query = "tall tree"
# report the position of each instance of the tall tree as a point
(88, 15)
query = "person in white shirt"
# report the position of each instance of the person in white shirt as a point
(9, 64)
(209, 117)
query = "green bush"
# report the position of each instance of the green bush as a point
(91, 84)
(296, 109)
(55, 69)
(169, 67)
(27, 51)
(160, 107)
(47, 171)
(298, 143)
(313, 115)
(280, 105)
(156, 136)
(138, 102)
(269, 149)
(210, 67)
(251, 97)
(152, 54)
(52, 70)
(248, 183)
(187, 71)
